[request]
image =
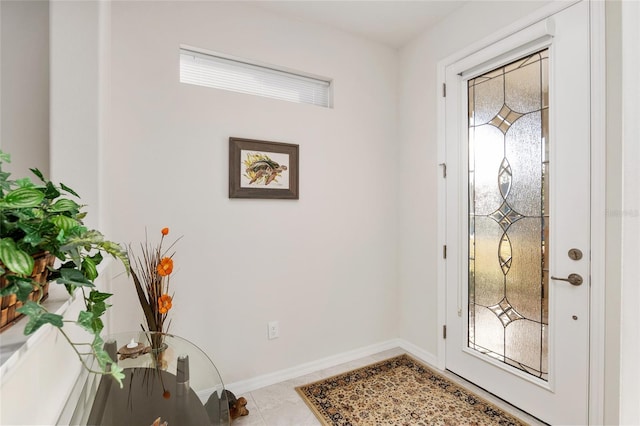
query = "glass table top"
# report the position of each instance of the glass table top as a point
(166, 377)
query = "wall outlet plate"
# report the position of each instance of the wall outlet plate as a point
(273, 330)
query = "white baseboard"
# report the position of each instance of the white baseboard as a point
(421, 354)
(258, 382)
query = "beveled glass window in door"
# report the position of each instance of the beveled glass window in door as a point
(509, 214)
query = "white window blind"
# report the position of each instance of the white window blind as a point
(238, 76)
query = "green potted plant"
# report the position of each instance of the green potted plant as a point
(39, 223)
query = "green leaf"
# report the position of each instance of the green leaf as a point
(96, 258)
(21, 287)
(89, 268)
(64, 205)
(38, 317)
(69, 190)
(5, 183)
(34, 232)
(98, 343)
(70, 288)
(93, 238)
(25, 287)
(96, 307)
(117, 373)
(50, 191)
(84, 320)
(102, 356)
(99, 308)
(25, 183)
(90, 321)
(96, 296)
(38, 173)
(104, 359)
(70, 276)
(23, 198)
(97, 325)
(15, 259)
(9, 290)
(31, 309)
(64, 222)
(4, 157)
(72, 252)
(53, 319)
(117, 252)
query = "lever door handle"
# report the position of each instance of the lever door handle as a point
(573, 279)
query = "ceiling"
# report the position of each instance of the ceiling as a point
(390, 22)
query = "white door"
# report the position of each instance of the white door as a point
(517, 191)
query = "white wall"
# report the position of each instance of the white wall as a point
(75, 100)
(325, 265)
(630, 291)
(614, 207)
(24, 85)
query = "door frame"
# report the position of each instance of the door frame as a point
(597, 188)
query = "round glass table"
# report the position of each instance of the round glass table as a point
(166, 378)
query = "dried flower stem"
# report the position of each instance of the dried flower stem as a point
(151, 274)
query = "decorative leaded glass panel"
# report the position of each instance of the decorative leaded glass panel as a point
(509, 214)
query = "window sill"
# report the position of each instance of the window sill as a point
(13, 341)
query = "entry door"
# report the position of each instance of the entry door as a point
(517, 149)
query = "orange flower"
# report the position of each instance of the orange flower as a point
(165, 267)
(164, 303)
(165, 231)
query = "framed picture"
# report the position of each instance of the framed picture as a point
(262, 169)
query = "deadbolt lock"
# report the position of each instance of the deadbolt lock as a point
(575, 254)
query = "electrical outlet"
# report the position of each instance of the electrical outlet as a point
(273, 330)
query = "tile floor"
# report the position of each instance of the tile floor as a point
(280, 405)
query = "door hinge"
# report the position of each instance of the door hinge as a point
(444, 90)
(444, 331)
(444, 251)
(444, 169)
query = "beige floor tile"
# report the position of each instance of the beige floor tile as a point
(254, 418)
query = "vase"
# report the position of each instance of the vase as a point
(160, 356)
(158, 350)
(157, 343)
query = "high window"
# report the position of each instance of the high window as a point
(223, 72)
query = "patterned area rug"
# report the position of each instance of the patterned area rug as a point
(398, 391)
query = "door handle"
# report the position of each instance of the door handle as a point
(573, 279)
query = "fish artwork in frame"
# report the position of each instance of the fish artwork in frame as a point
(262, 169)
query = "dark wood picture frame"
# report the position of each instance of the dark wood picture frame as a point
(262, 169)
